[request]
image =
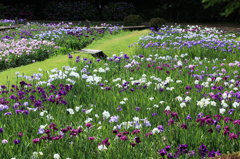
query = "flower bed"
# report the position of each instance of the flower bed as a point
(75, 38)
(22, 52)
(6, 22)
(37, 42)
(144, 106)
(197, 41)
(9, 22)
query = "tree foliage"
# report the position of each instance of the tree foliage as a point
(230, 5)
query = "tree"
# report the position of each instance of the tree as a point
(2, 10)
(230, 5)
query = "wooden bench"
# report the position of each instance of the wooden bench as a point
(10, 27)
(7, 27)
(95, 53)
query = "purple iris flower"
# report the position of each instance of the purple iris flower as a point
(70, 56)
(160, 128)
(114, 119)
(188, 117)
(154, 114)
(41, 131)
(16, 141)
(231, 111)
(162, 152)
(168, 147)
(119, 108)
(203, 150)
(37, 140)
(137, 108)
(8, 113)
(191, 153)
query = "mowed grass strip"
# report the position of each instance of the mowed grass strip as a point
(118, 43)
(110, 44)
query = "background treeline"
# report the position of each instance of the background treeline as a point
(171, 10)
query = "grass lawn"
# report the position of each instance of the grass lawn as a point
(109, 44)
(118, 43)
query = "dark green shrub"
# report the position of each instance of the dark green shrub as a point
(132, 20)
(157, 22)
(69, 10)
(2, 10)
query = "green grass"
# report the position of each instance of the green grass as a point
(54, 62)
(109, 44)
(118, 43)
